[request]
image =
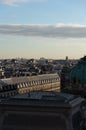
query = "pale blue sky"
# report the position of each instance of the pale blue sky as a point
(42, 28)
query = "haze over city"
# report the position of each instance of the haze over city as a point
(42, 28)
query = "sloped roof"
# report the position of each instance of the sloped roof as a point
(44, 99)
(15, 80)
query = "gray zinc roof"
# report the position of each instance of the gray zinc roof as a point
(15, 80)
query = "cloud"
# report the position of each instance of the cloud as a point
(14, 2)
(52, 31)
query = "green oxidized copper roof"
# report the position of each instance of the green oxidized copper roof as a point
(79, 71)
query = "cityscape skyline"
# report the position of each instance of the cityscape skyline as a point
(42, 28)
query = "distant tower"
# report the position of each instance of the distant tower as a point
(66, 58)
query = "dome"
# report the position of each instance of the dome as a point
(78, 73)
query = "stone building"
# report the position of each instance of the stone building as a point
(77, 79)
(41, 111)
(78, 73)
(12, 86)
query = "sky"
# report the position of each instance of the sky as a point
(52, 29)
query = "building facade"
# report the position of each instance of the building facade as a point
(12, 86)
(41, 111)
(76, 78)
